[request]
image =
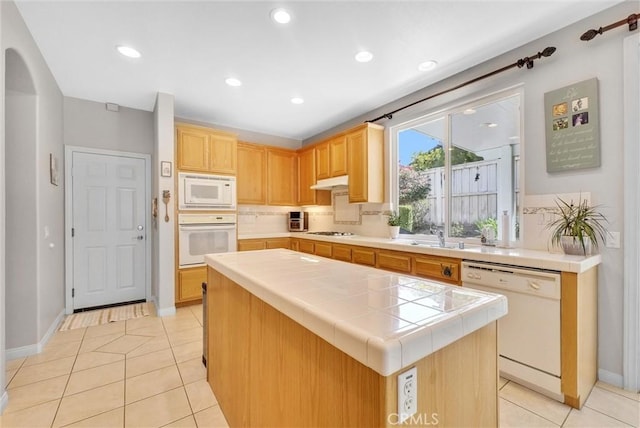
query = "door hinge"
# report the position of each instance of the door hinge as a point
(73, 232)
(73, 292)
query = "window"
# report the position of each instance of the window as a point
(458, 170)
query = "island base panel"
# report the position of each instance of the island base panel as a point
(267, 370)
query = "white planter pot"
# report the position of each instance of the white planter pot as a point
(394, 231)
(571, 245)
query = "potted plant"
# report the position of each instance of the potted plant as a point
(578, 227)
(394, 224)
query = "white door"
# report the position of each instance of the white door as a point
(109, 229)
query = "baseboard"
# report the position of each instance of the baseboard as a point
(166, 312)
(36, 348)
(163, 312)
(4, 400)
(614, 379)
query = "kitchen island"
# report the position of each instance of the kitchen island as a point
(300, 340)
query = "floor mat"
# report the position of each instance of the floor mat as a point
(104, 316)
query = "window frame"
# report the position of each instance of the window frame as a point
(446, 111)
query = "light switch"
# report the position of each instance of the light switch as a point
(612, 240)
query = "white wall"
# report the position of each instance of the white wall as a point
(163, 269)
(45, 306)
(573, 61)
(4, 398)
(90, 124)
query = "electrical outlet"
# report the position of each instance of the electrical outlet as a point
(612, 240)
(407, 394)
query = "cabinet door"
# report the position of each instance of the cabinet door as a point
(338, 156)
(295, 244)
(307, 178)
(278, 243)
(193, 149)
(252, 174)
(281, 182)
(323, 167)
(365, 164)
(323, 249)
(222, 153)
(363, 256)
(251, 244)
(440, 268)
(342, 252)
(306, 246)
(394, 261)
(190, 283)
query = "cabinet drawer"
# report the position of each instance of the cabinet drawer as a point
(341, 252)
(190, 283)
(438, 268)
(306, 246)
(394, 261)
(323, 249)
(363, 256)
(278, 243)
(251, 244)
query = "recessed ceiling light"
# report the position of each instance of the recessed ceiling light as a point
(297, 100)
(364, 56)
(427, 65)
(469, 111)
(281, 16)
(128, 51)
(232, 81)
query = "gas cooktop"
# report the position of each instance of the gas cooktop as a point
(332, 233)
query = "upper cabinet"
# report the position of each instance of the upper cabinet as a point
(281, 177)
(365, 167)
(252, 174)
(307, 178)
(205, 150)
(331, 158)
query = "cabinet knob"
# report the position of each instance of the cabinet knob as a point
(446, 271)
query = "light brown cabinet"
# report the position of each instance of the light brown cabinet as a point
(307, 178)
(365, 163)
(393, 260)
(342, 252)
(205, 150)
(189, 285)
(439, 268)
(263, 244)
(306, 246)
(323, 249)
(331, 158)
(363, 256)
(281, 177)
(252, 174)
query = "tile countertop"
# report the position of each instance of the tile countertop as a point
(386, 321)
(508, 256)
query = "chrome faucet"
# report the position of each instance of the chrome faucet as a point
(441, 238)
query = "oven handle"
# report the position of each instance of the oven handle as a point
(220, 226)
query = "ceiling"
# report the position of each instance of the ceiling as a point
(189, 48)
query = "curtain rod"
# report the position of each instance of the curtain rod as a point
(632, 20)
(526, 61)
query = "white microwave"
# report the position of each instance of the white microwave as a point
(206, 192)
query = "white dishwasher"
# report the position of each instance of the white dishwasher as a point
(529, 335)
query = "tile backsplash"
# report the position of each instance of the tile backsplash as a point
(537, 212)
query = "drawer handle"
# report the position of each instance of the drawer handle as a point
(446, 271)
(534, 285)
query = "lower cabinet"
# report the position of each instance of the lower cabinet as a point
(263, 244)
(306, 246)
(363, 256)
(189, 285)
(342, 252)
(323, 249)
(440, 268)
(393, 260)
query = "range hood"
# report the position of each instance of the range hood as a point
(330, 183)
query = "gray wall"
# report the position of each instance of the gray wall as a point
(43, 252)
(90, 124)
(573, 61)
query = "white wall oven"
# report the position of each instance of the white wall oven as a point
(200, 234)
(206, 192)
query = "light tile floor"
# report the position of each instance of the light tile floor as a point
(147, 372)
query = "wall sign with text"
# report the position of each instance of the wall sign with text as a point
(572, 127)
